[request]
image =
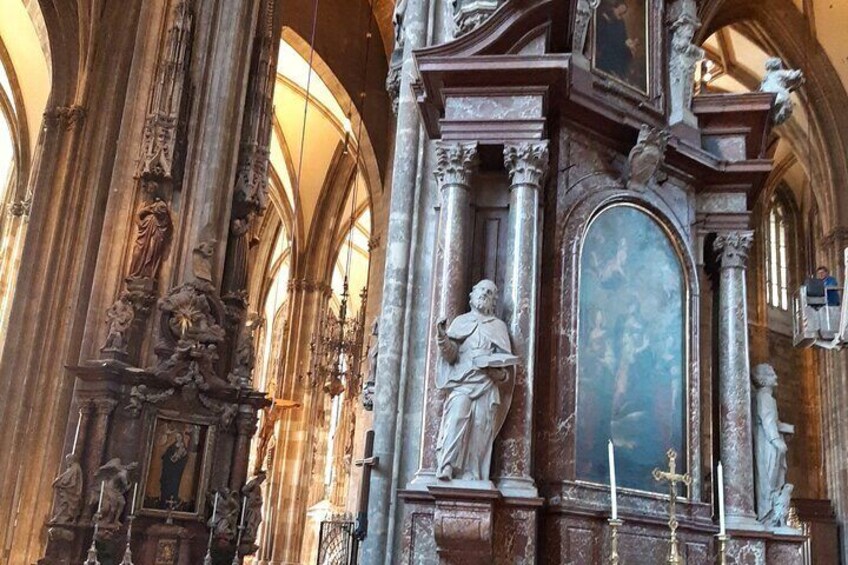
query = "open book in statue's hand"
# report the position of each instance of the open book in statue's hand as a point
(495, 361)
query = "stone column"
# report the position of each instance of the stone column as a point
(103, 408)
(734, 381)
(527, 164)
(455, 164)
(246, 428)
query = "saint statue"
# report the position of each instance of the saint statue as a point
(119, 317)
(115, 480)
(473, 370)
(782, 82)
(252, 492)
(154, 232)
(67, 488)
(769, 448)
(371, 381)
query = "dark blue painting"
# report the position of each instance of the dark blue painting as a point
(631, 349)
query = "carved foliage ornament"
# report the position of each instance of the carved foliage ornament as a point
(733, 248)
(527, 163)
(455, 163)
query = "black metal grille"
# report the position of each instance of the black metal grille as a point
(337, 544)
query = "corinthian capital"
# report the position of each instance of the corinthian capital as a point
(526, 163)
(455, 163)
(733, 247)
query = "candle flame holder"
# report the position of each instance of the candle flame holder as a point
(722, 549)
(614, 524)
(91, 558)
(127, 560)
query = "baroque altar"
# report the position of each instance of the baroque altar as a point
(573, 167)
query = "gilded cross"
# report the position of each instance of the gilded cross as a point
(673, 478)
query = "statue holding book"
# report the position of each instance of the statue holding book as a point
(475, 371)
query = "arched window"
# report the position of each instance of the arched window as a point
(777, 254)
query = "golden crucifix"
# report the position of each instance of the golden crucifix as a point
(672, 477)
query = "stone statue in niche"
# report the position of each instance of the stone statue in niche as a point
(585, 11)
(782, 82)
(770, 450)
(646, 157)
(119, 317)
(224, 524)
(115, 478)
(397, 22)
(371, 381)
(152, 238)
(244, 358)
(252, 493)
(202, 260)
(67, 488)
(684, 57)
(474, 371)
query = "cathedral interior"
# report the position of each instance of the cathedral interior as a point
(423, 281)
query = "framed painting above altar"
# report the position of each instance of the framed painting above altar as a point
(620, 46)
(631, 351)
(176, 469)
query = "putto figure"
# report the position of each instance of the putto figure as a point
(476, 355)
(782, 82)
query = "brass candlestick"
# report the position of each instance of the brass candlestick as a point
(614, 524)
(127, 560)
(722, 548)
(91, 558)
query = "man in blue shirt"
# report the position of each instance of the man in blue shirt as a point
(830, 285)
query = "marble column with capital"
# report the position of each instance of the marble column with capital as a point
(736, 442)
(527, 165)
(455, 165)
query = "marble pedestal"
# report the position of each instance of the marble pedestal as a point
(463, 523)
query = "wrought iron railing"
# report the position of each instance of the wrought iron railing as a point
(337, 543)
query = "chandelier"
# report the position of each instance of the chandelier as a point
(337, 347)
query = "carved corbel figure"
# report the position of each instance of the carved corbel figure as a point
(684, 57)
(646, 157)
(782, 82)
(470, 14)
(585, 11)
(67, 488)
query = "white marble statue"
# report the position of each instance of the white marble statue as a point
(474, 371)
(770, 450)
(782, 82)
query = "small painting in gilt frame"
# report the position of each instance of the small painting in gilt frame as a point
(176, 469)
(620, 44)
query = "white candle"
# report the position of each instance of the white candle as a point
(243, 508)
(612, 481)
(100, 502)
(76, 435)
(721, 528)
(215, 508)
(135, 492)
